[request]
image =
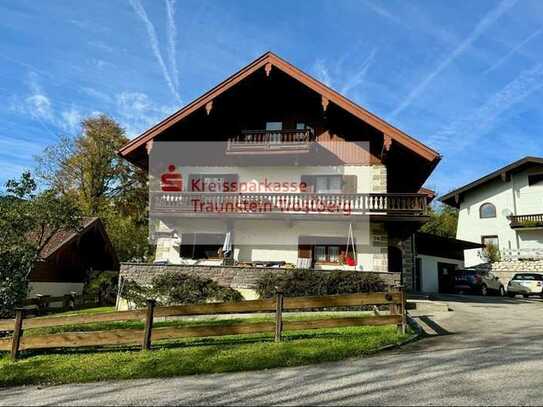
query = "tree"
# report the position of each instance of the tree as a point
(88, 169)
(28, 221)
(443, 221)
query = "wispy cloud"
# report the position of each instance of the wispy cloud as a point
(137, 112)
(479, 29)
(153, 40)
(320, 70)
(514, 50)
(172, 38)
(358, 78)
(341, 77)
(468, 129)
(383, 12)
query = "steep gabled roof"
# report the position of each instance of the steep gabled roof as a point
(267, 61)
(453, 198)
(64, 237)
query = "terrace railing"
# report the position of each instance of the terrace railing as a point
(521, 254)
(269, 141)
(290, 203)
(526, 221)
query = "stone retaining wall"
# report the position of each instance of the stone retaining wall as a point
(243, 279)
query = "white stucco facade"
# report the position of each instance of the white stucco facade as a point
(511, 195)
(278, 239)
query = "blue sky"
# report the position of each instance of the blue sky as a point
(465, 78)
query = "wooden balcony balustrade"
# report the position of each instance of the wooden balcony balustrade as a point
(270, 141)
(526, 221)
(404, 204)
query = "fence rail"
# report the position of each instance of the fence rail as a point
(395, 299)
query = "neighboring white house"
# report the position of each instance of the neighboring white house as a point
(505, 209)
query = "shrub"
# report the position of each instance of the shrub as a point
(176, 288)
(101, 287)
(299, 283)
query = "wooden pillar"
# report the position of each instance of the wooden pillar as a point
(278, 314)
(148, 325)
(17, 333)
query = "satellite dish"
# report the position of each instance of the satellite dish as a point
(507, 212)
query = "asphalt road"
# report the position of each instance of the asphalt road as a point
(489, 351)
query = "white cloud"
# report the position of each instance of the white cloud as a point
(468, 129)
(136, 112)
(514, 50)
(479, 29)
(71, 119)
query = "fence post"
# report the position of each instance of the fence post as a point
(391, 307)
(148, 325)
(17, 333)
(278, 314)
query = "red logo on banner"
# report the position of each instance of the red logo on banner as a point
(172, 181)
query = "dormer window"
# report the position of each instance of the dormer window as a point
(487, 210)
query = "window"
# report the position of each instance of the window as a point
(274, 128)
(300, 126)
(326, 254)
(535, 179)
(490, 241)
(201, 245)
(328, 184)
(487, 210)
(535, 277)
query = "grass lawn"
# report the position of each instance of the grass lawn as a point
(192, 355)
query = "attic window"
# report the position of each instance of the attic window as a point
(487, 210)
(535, 179)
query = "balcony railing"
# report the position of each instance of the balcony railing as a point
(526, 221)
(289, 203)
(270, 141)
(521, 254)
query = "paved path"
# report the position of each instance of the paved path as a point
(489, 352)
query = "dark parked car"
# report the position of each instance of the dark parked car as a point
(480, 282)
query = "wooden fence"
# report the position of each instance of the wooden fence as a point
(394, 299)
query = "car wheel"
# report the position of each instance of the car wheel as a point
(511, 295)
(502, 291)
(484, 290)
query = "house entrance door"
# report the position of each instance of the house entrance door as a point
(445, 277)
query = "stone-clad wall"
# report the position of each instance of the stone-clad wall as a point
(240, 278)
(506, 269)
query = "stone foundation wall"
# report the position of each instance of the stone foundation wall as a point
(239, 278)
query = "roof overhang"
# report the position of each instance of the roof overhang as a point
(454, 198)
(268, 62)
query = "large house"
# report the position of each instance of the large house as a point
(503, 209)
(273, 168)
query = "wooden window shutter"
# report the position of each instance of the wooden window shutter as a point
(304, 251)
(349, 184)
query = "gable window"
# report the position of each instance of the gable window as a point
(535, 179)
(487, 210)
(322, 184)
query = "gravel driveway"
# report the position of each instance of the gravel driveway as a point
(489, 351)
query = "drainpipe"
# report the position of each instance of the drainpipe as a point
(513, 189)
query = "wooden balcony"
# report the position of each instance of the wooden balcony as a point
(270, 142)
(526, 221)
(263, 204)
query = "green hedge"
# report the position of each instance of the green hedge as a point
(299, 283)
(177, 288)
